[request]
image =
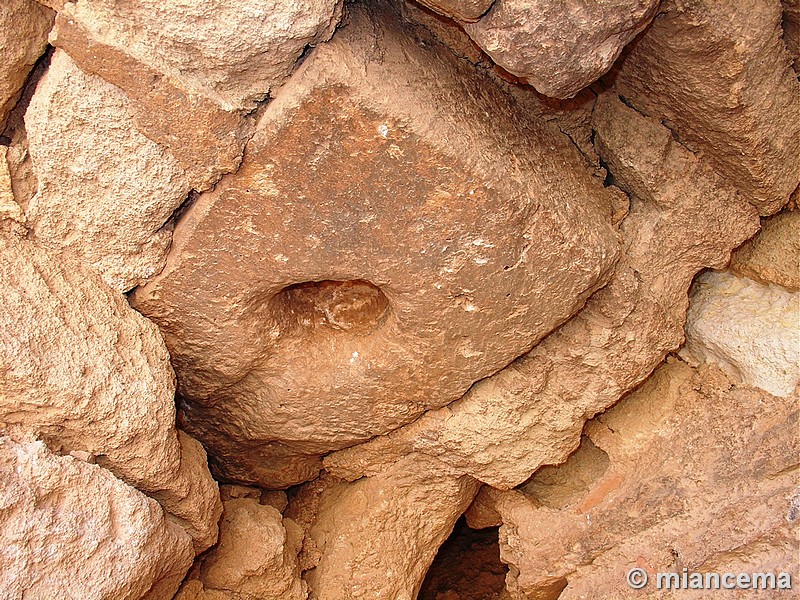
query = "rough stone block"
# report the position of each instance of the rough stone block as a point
(559, 47)
(719, 76)
(773, 256)
(397, 231)
(69, 529)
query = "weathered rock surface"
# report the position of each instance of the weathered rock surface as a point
(719, 76)
(462, 10)
(105, 191)
(255, 559)
(306, 311)
(684, 484)
(377, 537)
(559, 47)
(773, 256)
(232, 53)
(749, 329)
(86, 373)
(69, 529)
(12, 218)
(23, 37)
(531, 412)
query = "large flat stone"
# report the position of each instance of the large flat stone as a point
(397, 230)
(531, 413)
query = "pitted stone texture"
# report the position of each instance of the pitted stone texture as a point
(12, 218)
(255, 559)
(69, 529)
(378, 536)
(773, 256)
(383, 245)
(86, 373)
(559, 47)
(231, 53)
(685, 485)
(749, 329)
(461, 10)
(719, 76)
(531, 413)
(23, 37)
(105, 190)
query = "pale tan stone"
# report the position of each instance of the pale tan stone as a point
(749, 329)
(719, 76)
(69, 529)
(531, 412)
(306, 310)
(559, 47)
(11, 215)
(85, 372)
(686, 485)
(773, 256)
(378, 536)
(24, 25)
(105, 191)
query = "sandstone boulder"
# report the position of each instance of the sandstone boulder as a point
(255, 559)
(697, 474)
(378, 536)
(23, 37)
(86, 373)
(306, 310)
(749, 329)
(773, 256)
(719, 76)
(559, 47)
(69, 529)
(531, 412)
(105, 191)
(11, 215)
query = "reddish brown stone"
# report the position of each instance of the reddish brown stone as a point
(397, 230)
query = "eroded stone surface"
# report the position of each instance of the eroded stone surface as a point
(700, 475)
(773, 256)
(377, 537)
(231, 53)
(531, 412)
(11, 215)
(559, 47)
(749, 329)
(23, 37)
(84, 372)
(69, 529)
(791, 29)
(105, 191)
(720, 77)
(306, 311)
(255, 559)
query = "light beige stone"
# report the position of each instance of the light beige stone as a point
(719, 76)
(773, 256)
(85, 372)
(11, 215)
(559, 47)
(531, 412)
(23, 37)
(255, 559)
(378, 536)
(749, 329)
(306, 311)
(105, 191)
(69, 529)
(685, 485)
